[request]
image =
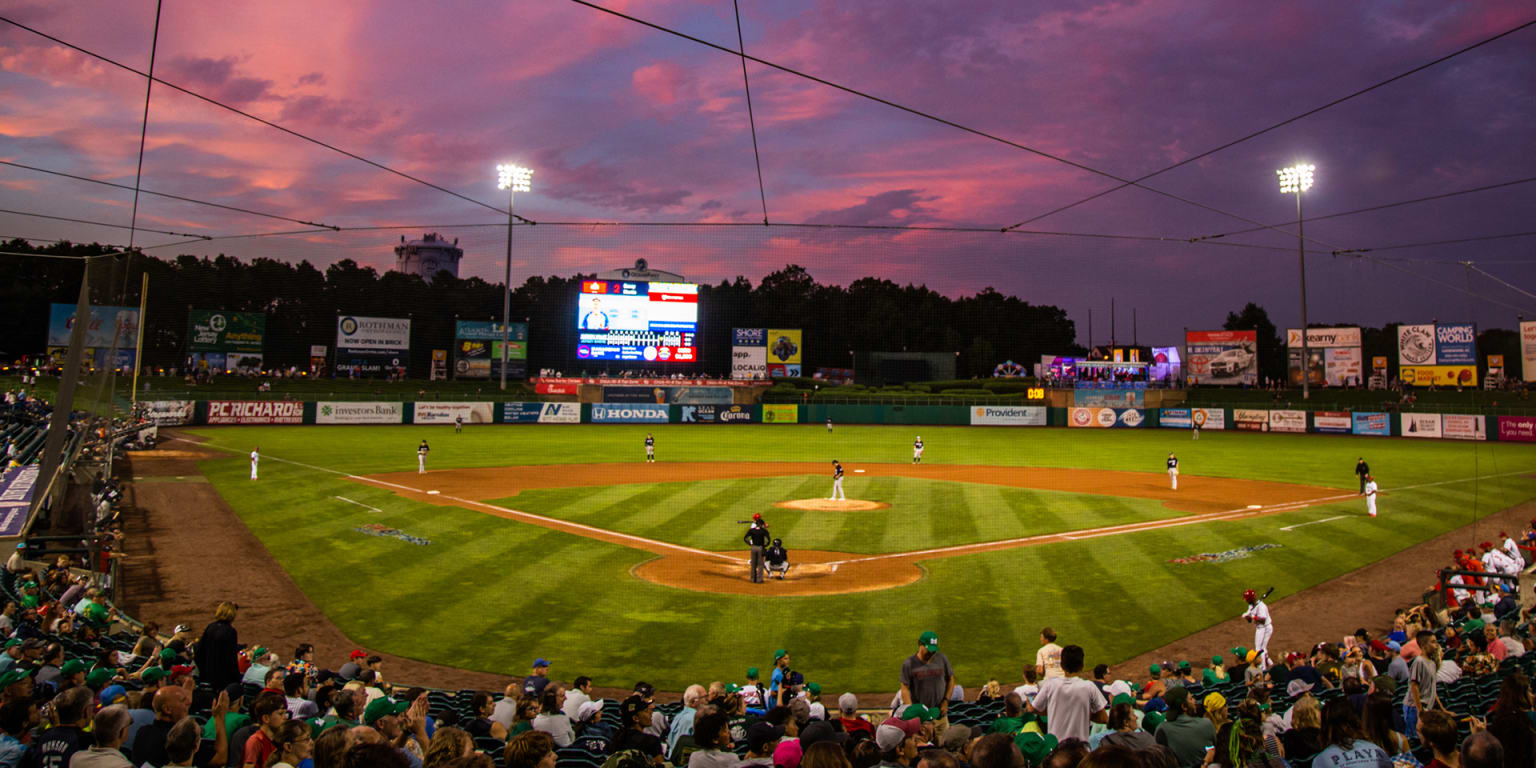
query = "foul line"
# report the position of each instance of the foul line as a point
(359, 503)
(1314, 522)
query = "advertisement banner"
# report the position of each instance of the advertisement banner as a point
(1456, 344)
(372, 334)
(521, 413)
(1008, 415)
(547, 387)
(1379, 365)
(1175, 418)
(255, 412)
(1528, 350)
(749, 362)
(664, 395)
(217, 331)
(447, 413)
(616, 413)
(560, 413)
(1104, 418)
(1421, 425)
(1461, 426)
(17, 487)
(1517, 429)
(169, 413)
(778, 413)
(485, 330)
(1252, 419)
(349, 412)
(1415, 345)
(1439, 375)
(719, 414)
(1337, 422)
(1343, 367)
(1315, 368)
(1109, 398)
(1323, 338)
(1222, 357)
(1287, 421)
(109, 326)
(1209, 418)
(784, 346)
(749, 337)
(1379, 424)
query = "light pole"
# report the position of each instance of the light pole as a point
(514, 179)
(1298, 179)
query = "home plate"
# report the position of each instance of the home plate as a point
(1255, 506)
(432, 493)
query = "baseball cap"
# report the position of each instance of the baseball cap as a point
(383, 707)
(929, 640)
(751, 673)
(76, 666)
(819, 731)
(779, 654)
(788, 754)
(540, 662)
(732, 688)
(757, 515)
(181, 669)
(645, 689)
(261, 650)
(1183, 665)
(813, 688)
(356, 654)
(1155, 669)
(151, 675)
(1176, 698)
(180, 628)
(111, 694)
(762, 733)
(908, 726)
(1251, 657)
(919, 713)
(1239, 652)
(633, 706)
(13, 676)
(1035, 746)
(1216, 659)
(12, 643)
(1214, 701)
(955, 737)
(1122, 698)
(1151, 721)
(1297, 687)
(889, 737)
(848, 701)
(588, 710)
(168, 654)
(98, 677)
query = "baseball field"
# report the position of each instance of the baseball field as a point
(560, 541)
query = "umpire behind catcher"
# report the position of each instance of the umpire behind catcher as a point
(757, 539)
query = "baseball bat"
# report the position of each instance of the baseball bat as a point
(1266, 593)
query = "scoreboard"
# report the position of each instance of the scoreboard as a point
(648, 322)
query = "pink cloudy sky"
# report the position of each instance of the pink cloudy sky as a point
(624, 123)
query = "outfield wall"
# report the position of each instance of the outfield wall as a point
(1449, 426)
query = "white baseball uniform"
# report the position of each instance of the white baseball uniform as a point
(421, 460)
(1370, 497)
(255, 457)
(1262, 629)
(917, 451)
(1173, 472)
(1513, 550)
(837, 484)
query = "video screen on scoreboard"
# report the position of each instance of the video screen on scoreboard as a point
(649, 322)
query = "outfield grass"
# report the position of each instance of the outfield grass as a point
(490, 593)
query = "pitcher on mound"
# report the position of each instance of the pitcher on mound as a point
(837, 482)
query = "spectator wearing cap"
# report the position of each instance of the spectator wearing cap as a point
(927, 678)
(812, 696)
(142, 714)
(753, 692)
(579, 694)
(12, 653)
(1215, 674)
(391, 719)
(261, 664)
(110, 729)
(16, 684)
(898, 742)
(762, 737)
(779, 680)
(534, 683)
(635, 713)
(1070, 703)
(853, 724)
(71, 715)
(354, 665)
(218, 651)
(1185, 733)
(712, 735)
(589, 722)
(682, 724)
(552, 718)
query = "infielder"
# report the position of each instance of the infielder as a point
(1258, 615)
(421, 458)
(1173, 471)
(650, 449)
(255, 457)
(1370, 495)
(757, 539)
(829, 425)
(778, 559)
(837, 482)
(458, 424)
(917, 450)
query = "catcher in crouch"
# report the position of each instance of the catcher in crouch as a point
(777, 559)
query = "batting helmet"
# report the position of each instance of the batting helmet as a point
(757, 515)
(1250, 595)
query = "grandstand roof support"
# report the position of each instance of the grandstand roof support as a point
(58, 427)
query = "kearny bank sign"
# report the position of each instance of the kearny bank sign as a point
(1324, 337)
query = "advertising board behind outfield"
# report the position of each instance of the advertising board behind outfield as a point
(1517, 429)
(1287, 421)
(521, 413)
(560, 413)
(1421, 425)
(719, 414)
(1461, 426)
(1187, 418)
(446, 413)
(255, 412)
(1109, 398)
(627, 413)
(349, 412)
(1379, 424)
(1252, 419)
(1222, 357)
(1103, 418)
(1008, 415)
(664, 395)
(169, 413)
(1336, 422)
(778, 413)
(1528, 349)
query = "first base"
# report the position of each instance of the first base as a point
(858, 471)
(1255, 506)
(432, 493)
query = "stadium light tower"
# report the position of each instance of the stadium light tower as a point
(1298, 179)
(514, 179)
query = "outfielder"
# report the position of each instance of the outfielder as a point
(458, 424)
(1258, 615)
(1370, 495)
(650, 449)
(1173, 471)
(757, 539)
(917, 450)
(778, 559)
(837, 482)
(255, 457)
(421, 458)
(829, 425)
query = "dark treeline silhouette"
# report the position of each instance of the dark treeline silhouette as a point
(301, 303)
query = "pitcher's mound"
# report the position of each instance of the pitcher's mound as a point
(828, 505)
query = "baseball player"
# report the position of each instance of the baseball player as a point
(1173, 471)
(458, 424)
(255, 457)
(829, 425)
(1496, 561)
(1512, 549)
(1196, 418)
(1258, 615)
(1370, 495)
(650, 449)
(917, 450)
(421, 458)
(837, 482)
(778, 559)
(757, 539)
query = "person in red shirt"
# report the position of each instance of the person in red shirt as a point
(1437, 728)
(268, 713)
(848, 716)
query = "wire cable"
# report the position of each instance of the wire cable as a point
(149, 85)
(249, 116)
(1457, 241)
(113, 226)
(1285, 122)
(1472, 267)
(751, 120)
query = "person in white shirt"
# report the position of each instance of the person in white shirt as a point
(255, 457)
(1031, 685)
(1370, 495)
(506, 709)
(1512, 549)
(551, 719)
(1048, 658)
(1263, 629)
(579, 694)
(1070, 704)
